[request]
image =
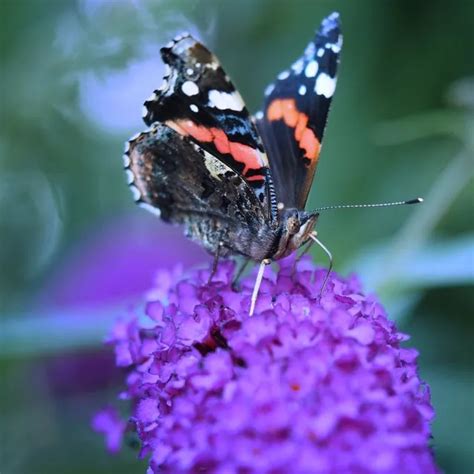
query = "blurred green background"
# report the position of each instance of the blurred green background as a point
(75, 252)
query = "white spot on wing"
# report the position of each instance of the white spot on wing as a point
(136, 193)
(302, 90)
(310, 50)
(325, 85)
(283, 75)
(144, 111)
(336, 47)
(130, 176)
(269, 89)
(150, 208)
(134, 137)
(259, 115)
(152, 98)
(126, 161)
(311, 69)
(214, 65)
(190, 88)
(224, 100)
(320, 52)
(298, 66)
(189, 71)
(163, 86)
(194, 107)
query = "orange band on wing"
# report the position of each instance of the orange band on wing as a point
(220, 140)
(250, 157)
(286, 110)
(188, 127)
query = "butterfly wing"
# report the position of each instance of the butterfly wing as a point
(295, 112)
(199, 101)
(174, 177)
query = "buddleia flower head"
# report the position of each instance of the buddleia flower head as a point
(306, 385)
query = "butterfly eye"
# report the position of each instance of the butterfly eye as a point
(293, 224)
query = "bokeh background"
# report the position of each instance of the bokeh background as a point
(75, 252)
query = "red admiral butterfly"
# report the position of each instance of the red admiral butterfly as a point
(238, 184)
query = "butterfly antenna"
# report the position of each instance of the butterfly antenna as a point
(381, 204)
(313, 237)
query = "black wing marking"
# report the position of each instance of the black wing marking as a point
(295, 113)
(198, 100)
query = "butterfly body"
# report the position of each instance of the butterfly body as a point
(238, 184)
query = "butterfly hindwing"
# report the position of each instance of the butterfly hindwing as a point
(199, 101)
(174, 177)
(295, 112)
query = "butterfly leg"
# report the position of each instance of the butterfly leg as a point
(215, 262)
(298, 258)
(313, 237)
(258, 282)
(235, 282)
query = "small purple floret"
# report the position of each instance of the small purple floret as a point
(108, 422)
(306, 385)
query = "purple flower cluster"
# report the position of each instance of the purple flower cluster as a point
(306, 385)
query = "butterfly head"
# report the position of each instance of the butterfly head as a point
(292, 222)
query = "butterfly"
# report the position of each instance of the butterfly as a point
(238, 184)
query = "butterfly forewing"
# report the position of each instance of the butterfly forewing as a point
(295, 112)
(199, 101)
